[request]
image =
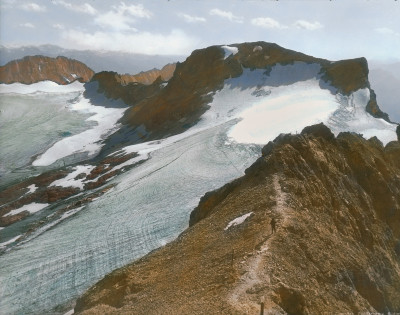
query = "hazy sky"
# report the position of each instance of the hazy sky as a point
(334, 30)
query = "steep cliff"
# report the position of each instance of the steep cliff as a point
(32, 69)
(336, 249)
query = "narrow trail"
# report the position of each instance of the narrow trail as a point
(253, 278)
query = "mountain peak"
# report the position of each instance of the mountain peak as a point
(32, 69)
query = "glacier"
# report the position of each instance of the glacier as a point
(149, 205)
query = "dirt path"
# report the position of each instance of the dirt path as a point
(253, 279)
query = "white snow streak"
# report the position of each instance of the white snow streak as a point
(9, 241)
(238, 220)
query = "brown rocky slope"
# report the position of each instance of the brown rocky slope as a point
(336, 249)
(32, 69)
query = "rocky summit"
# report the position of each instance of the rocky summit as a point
(336, 249)
(32, 69)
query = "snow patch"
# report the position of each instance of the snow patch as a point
(238, 220)
(41, 87)
(70, 181)
(31, 208)
(228, 50)
(32, 188)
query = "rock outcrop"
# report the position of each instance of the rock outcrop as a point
(32, 69)
(336, 249)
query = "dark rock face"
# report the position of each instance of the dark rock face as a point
(398, 132)
(373, 108)
(33, 69)
(336, 249)
(347, 75)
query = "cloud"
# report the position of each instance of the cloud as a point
(122, 16)
(81, 8)
(192, 19)
(134, 10)
(27, 25)
(226, 15)
(58, 26)
(387, 31)
(267, 22)
(33, 7)
(309, 26)
(174, 43)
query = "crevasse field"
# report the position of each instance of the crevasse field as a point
(151, 203)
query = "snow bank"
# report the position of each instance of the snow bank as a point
(70, 181)
(228, 50)
(238, 220)
(41, 87)
(31, 208)
(87, 141)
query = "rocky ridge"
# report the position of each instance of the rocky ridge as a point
(148, 77)
(336, 249)
(32, 69)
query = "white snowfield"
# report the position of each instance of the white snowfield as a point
(238, 220)
(88, 141)
(288, 99)
(31, 208)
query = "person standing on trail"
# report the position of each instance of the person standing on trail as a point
(273, 225)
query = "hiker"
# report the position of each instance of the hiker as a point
(273, 225)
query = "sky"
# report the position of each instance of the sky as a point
(336, 29)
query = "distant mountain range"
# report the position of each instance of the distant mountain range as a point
(120, 62)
